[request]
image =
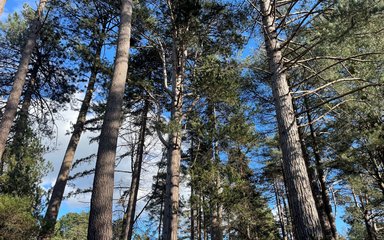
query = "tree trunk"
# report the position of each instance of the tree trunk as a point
(279, 209)
(303, 209)
(370, 230)
(287, 216)
(216, 231)
(192, 215)
(161, 218)
(129, 218)
(321, 176)
(23, 114)
(19, 81)
(316, 192)
(171, 207)
(205, 232)
(78, 128)
(192, 203)
(2, 4)
(199, 220)
(100, 219)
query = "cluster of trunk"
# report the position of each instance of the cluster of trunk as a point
(129, 217)
(78, 128)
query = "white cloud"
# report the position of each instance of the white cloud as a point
(80, 202)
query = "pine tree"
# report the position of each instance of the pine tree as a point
(14, 97)
(100, 219)
(304, 214)
(97, 41)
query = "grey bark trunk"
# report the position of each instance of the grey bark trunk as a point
(62, 178)
(304, 215)
(135, 182)
(2, 4)
(321, 176)
(100, 219)
(19, 81)
(316, 192)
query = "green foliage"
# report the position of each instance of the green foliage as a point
(16, 219)
(249, 214)
(24, 168)
(72, 226)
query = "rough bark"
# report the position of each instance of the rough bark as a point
(2, 4)
(78, 128)
(100, 219)
(304, 215)
(129, 218)
(19, 80)
(327, 207)
(316, 192)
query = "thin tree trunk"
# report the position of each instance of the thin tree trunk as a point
(192, 203)
(303, 209)
(321, 176)
(368, 226)
(192, 215)
(205, 232)
(100, 219)
(129, 218)
(161, 218)
(279, 210)
(23, 114)
(199, 219)
(216, 231)
(287, 216)
(2, 4)
(19, 81)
